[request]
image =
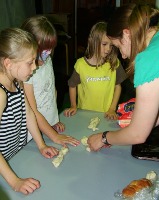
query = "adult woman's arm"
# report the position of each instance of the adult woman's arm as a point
(145, 116)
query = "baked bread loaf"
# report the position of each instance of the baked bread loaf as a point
(136, 186)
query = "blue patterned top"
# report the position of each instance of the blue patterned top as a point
(147, 63)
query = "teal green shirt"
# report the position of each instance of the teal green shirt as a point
(147, 63)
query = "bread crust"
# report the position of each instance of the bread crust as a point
(136, 186)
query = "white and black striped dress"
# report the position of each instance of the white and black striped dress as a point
(13, 129)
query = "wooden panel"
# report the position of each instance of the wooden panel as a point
(150, 2)
(60, 18)
(63, 6)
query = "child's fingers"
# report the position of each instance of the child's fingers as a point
(59, 127)
(67, 112)
(27, 186)
(50, 152)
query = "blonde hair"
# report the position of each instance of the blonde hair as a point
(94, 45)
(13, 44)
(138, 19)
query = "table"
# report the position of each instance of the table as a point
(82, 175)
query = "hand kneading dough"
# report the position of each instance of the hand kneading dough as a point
(84, 142)
(57, 161)
(93, 124)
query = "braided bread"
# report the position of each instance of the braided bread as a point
(136, 186)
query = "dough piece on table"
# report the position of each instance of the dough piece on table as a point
(84, 142)
(93, 124)
(88, 149)
(64, 150)
(152, 176)
(57, 161)
(136, 186)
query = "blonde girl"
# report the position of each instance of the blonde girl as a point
(97, 76)
(17, 62)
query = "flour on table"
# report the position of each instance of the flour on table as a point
(84, 142)
(93, 123)
(57, 161)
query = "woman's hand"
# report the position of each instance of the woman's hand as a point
(26, 186)
(95, 142)
(66, 139)
(70, 112)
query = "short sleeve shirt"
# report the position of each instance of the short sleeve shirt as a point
(147, 63)
(95, 85)
(43, 81)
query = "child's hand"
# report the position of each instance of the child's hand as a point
(26, 186)
(66, 139)
(111, 114)
(70, 112)
(59, 127)
(49, 151)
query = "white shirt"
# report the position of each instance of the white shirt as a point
(43, 81)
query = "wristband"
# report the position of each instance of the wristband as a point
(104, 139)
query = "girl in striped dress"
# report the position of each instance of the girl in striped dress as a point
(17, 62)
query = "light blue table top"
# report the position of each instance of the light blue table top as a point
(82, 175)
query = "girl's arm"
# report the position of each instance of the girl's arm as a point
(25, 186)
(43, 125)
(73, 83)
(72, 92)
(73, 109)
(33, 128)
(111, 113)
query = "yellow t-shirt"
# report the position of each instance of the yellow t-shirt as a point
(96, 90)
